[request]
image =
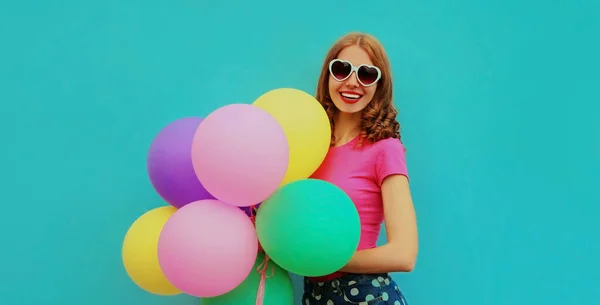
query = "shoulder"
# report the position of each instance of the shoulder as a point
(389, 158)
(389, 145)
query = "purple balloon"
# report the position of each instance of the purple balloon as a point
(170, 167)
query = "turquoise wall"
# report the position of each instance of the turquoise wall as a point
(499, 102)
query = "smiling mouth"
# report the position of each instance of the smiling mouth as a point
(350, 98)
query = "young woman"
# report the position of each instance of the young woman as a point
(367, 161)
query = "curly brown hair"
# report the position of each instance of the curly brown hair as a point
(379, 117)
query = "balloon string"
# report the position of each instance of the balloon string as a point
(253, 212)
(262, 270)
(262, 267)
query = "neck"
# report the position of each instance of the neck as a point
(347, 127)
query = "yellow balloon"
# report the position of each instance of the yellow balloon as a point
(306, 126)
(140, 252)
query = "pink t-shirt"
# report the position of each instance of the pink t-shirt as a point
(359, 172)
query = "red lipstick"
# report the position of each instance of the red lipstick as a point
(350, 97)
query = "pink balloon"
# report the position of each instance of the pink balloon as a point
(240, 154)
(207, 248)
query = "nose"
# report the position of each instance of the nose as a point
(352, 82)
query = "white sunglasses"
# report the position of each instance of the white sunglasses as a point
(365, 74)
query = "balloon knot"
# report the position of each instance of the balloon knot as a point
(254, 210)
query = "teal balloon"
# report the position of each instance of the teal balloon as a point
(309, 227)
(278, 288)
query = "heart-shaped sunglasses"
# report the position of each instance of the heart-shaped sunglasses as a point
(365, 74)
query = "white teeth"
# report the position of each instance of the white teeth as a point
(350, 96)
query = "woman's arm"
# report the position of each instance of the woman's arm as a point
(400, 253)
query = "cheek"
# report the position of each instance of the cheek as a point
(370, 91)
(333, 86)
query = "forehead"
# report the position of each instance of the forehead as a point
(356, 55)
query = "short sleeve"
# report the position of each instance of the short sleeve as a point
(390, 160)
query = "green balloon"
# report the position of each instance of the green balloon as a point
(278, 288)
(309, 227)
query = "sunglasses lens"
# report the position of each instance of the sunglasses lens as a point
(340, 69)
(368, 75)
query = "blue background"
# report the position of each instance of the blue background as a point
(499, 103)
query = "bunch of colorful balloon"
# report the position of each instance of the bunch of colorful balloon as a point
(213, 172)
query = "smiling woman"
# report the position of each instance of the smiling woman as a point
(366, 160)
(353, 87)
